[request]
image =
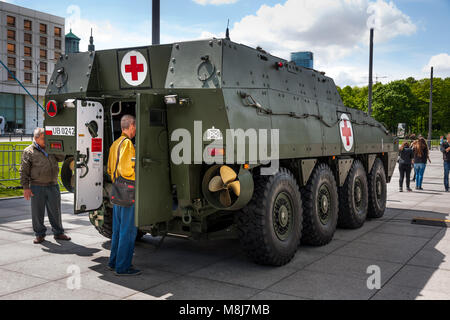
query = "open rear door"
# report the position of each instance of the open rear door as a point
(153, 190)
(89, 157)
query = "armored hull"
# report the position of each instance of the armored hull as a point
(231, 142)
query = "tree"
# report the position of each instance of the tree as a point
(394, 103)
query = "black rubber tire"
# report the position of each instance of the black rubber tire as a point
(256, 225)
(377, 204)
(106, 229)
(315, 232)
(352, 216)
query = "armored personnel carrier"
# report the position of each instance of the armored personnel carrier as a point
(231, 142)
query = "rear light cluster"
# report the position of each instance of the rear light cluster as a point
(56, 145)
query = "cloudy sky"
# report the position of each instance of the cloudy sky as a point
(410, 35)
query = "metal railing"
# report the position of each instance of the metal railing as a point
(10, 160)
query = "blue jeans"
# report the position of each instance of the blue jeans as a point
(419, 168)
(123, 238)
(446, 172)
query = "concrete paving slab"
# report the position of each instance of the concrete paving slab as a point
(15, 235)
(241, 271)
(444, 234)
(442, 245)
(393, 240)
(431, 258)
(305, 257)
(57, 291)
(15, 281)
(353, 267)
(180, 259)
(52, 266)
(2, 242)
(143, 296)
(350, 235)
(423, 278)
(407, 229)
(374, 251)
(19, 252)
(394, 292)
(79, 242)
(268, 295)
(190, 288)
(100, 279)
(328, 248)
(319, 286)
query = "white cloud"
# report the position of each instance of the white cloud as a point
(441, 64)
(215, 2)
(331, 28)
(106, 35)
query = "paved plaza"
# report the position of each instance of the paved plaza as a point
(414, 260)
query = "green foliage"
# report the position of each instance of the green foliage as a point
(405, 101)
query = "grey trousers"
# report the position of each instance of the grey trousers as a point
(46, 197)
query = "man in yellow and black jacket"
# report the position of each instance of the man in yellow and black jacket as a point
(124, 229)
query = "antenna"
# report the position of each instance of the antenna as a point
(227, 33)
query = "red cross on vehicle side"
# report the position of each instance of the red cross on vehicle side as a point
(346, 132)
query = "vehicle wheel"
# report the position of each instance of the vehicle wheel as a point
(353, 198)
(270, 225)
(320, 207)
(106, 228)
(377, 190)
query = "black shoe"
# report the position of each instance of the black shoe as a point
(130, 272)
(111, 268)
(400, 190)
(409, 190)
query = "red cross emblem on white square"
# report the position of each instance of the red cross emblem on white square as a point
(134, 68)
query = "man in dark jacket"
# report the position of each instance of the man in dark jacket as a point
(445, 149)
(39, 179)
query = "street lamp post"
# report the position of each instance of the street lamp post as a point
(37, 64)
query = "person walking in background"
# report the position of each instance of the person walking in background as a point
(413, 143)
(421, 155)
(445, 149)
(406, 156)
(39, 179)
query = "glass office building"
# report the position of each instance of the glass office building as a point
(303, 59)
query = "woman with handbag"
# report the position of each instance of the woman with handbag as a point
(121, 168)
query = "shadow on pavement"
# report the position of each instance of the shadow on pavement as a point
(182, 258)
(68, 248)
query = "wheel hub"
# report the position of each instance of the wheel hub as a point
(324, 201)
(282, 216)
(379, 187)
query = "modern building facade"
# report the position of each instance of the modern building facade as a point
(303, 59)
(30, 43)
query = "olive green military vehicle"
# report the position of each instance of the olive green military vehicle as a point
(302, 164)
